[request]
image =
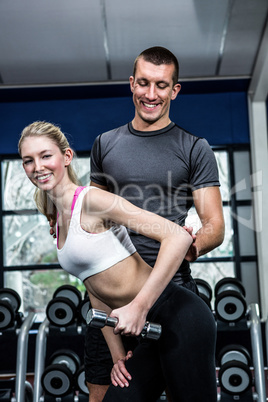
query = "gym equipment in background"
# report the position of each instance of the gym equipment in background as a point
(14, 325)
(80, 381)
(10, 303)
(205, 291)
(235, 375)
(230, 302)
(62, 310)
(64, 324)
(58, 377)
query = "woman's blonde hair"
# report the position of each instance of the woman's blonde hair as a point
(53, 132)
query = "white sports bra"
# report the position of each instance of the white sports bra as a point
(85, 254)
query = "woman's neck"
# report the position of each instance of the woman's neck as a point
(62, 197)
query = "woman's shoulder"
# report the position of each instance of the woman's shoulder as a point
(97, 199)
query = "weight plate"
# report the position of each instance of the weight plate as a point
(230, 306)
(57, 380)
(66, 357)
(235, 378)
(234, 352)
(84, 306)
(229, 284)
(81, 381)
(7, 315)
(204, 288)
(12, 296)
(61, 311)
(69, 291)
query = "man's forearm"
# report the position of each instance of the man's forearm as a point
(209, 236)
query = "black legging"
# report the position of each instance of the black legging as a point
(182, 360)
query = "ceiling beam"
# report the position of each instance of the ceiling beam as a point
(258, 88)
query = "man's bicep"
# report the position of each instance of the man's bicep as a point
(208, 203)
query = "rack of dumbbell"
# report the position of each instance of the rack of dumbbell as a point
(14, 331)
(59, 371)
(239, 354)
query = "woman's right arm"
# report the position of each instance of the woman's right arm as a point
(119, 374)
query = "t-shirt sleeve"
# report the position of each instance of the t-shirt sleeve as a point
(204, 169)
(96, 171)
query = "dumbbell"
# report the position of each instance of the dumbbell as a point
(61, 311)
(58, 377)
(10, 302)
(230, 303)
(205, 291)
(235, 377)
(99, 319)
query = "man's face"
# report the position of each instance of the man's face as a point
(153, 90)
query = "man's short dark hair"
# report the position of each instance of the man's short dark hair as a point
(159, 55)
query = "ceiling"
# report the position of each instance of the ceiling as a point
(48, 42)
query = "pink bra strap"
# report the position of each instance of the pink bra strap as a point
(76, 194)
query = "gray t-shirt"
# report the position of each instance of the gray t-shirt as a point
(155, 170)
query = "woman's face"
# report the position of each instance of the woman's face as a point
(43, 162)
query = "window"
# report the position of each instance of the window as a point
(29, 257)
(28, 253)
(236, 257)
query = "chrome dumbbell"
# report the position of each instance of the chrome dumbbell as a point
(99, 319)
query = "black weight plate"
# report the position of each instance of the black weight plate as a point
(12, 296)
(234, 352)
(84, 306)
(230, 306)
(69, 291)
(7, 315)
(235, 378)
(80, 381)
(229, 284)
(204, 288)
(66, 357)
(61, 311)
(57, 380)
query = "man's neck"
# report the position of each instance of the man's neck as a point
(141, 125)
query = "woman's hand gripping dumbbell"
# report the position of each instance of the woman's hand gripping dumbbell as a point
(98, 319)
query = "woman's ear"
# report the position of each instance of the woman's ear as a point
(68, 156)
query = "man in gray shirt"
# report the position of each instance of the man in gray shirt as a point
(162, 168)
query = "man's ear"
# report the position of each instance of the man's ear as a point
(175, 90)
(131, 81)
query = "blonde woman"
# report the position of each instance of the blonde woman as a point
(93, 244)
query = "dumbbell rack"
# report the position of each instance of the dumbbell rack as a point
(253, 324)
(40, 356)
(22, 355)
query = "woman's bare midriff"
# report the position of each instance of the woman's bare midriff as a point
(119, 284)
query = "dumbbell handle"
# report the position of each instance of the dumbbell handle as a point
(98, 319)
